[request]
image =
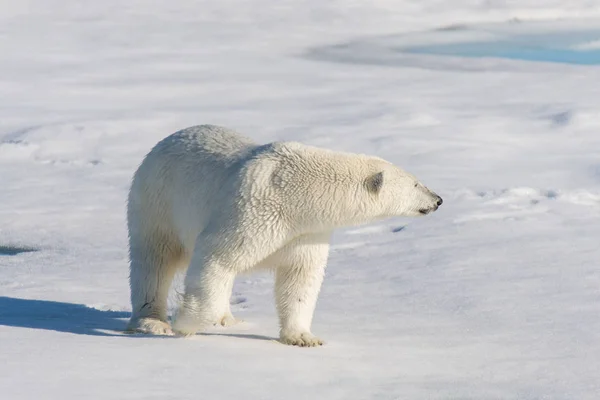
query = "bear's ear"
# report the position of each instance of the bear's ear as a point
(374, 182)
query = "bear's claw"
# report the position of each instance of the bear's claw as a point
(302, 339)
(228, 320)
(150, 326)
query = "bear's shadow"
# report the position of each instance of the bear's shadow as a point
(77, 318)
(60, 317)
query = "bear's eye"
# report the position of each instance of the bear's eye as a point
(416, 184)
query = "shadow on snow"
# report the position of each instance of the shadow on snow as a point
(60, 317)
(78, 319)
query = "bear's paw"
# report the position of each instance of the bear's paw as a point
(302, 339)
(150, 326)
(228, 320)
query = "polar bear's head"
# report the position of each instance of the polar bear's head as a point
(399, 193)
(323, 189)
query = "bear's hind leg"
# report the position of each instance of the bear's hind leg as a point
(297, 284)
(152, 270)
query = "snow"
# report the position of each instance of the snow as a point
(494, 296)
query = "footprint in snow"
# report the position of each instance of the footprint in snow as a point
(519, 202)
(237, 300)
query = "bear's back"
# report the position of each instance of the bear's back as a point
(194, 162)
(205, 143)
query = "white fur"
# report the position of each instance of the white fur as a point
(208, 198)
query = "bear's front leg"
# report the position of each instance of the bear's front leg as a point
(297, 285)
(227, 319)
(206, 299)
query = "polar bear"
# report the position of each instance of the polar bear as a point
(210, 201)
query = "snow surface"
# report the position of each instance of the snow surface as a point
(495, 296)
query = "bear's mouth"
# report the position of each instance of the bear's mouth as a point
(425, 211)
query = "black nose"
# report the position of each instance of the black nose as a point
(440, 201)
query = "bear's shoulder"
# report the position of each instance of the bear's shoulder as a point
(313, 154)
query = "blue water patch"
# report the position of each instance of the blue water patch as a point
(14, 250)
(572, 48)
